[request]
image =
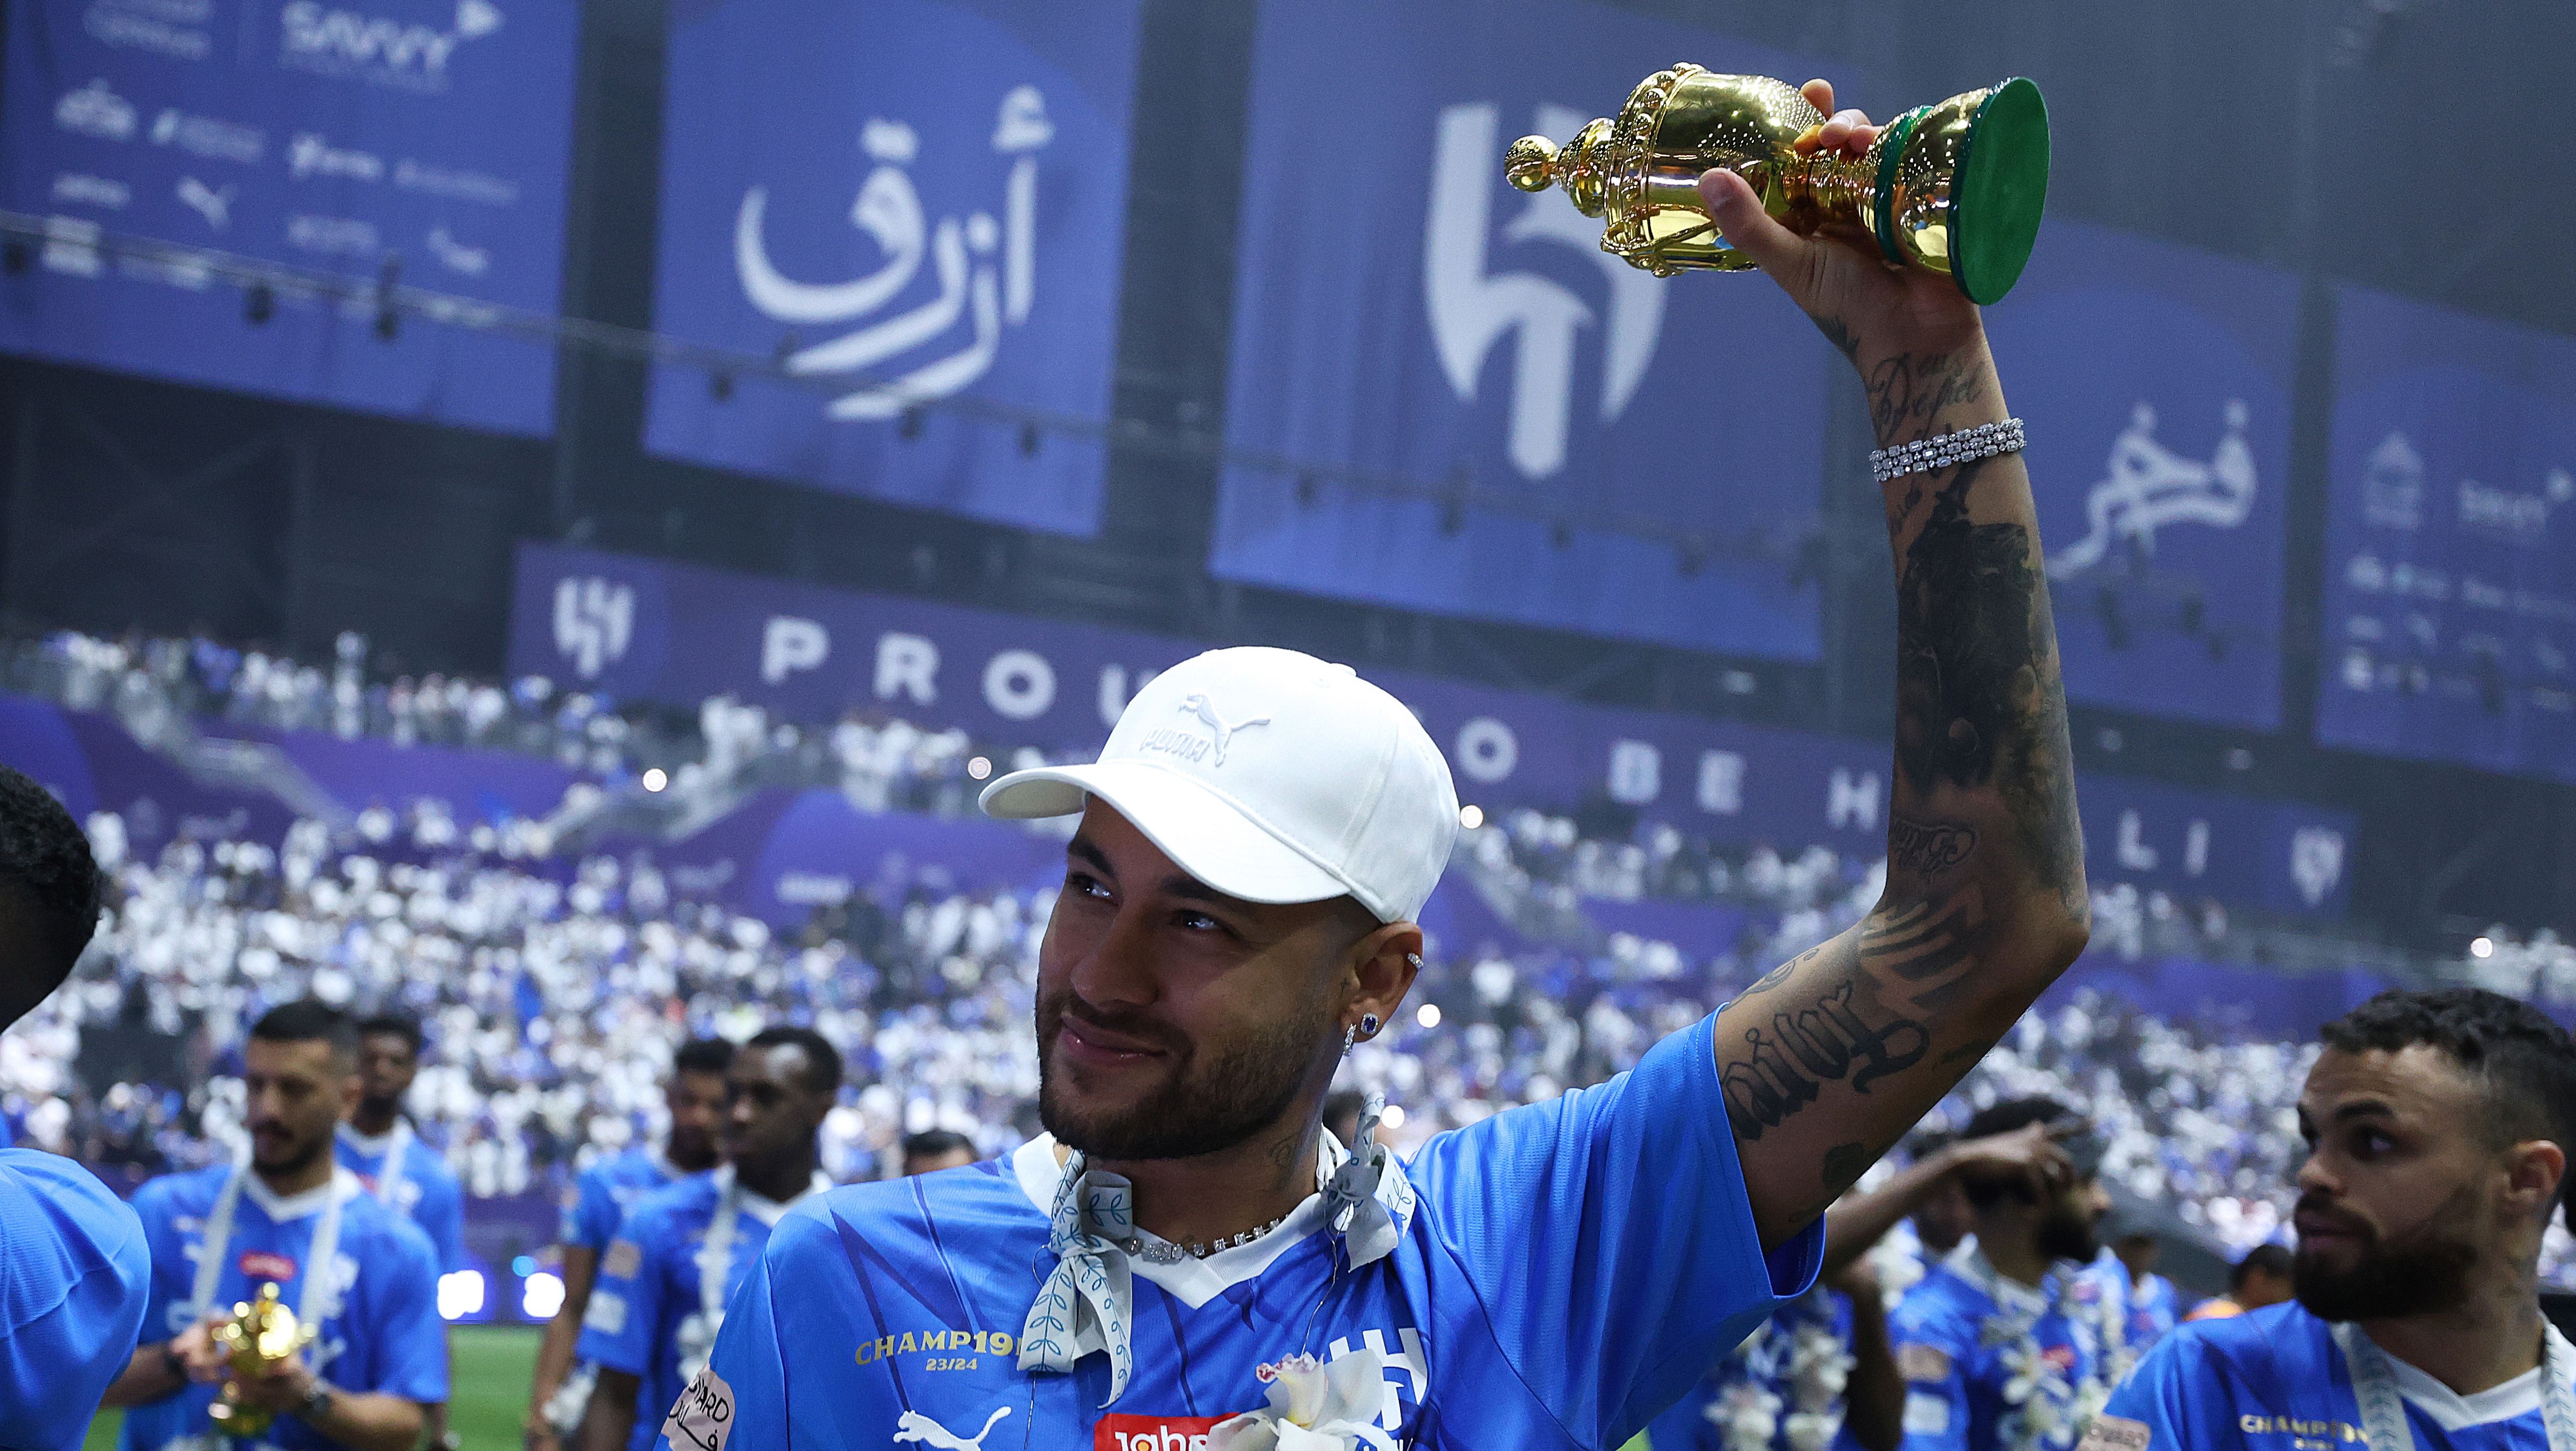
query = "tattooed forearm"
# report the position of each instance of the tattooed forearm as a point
(1908, 390)
(1979, 703)
(1925, 849)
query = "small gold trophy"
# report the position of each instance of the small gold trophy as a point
(1955, 188)
(261, 1336)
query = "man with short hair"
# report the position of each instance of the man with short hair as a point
(2011, 1344)
(932, 1150)
(2261, 1278)
(377, 1143)
(1184, 1248)
(694, 1097)
(78, 1267)
(291, 1216)
(681, 1252)
(2438, 1128)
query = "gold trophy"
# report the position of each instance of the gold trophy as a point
(1954, 188)
(261, 1336)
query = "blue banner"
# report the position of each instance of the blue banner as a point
(345, 136)
(2157, 385)
(900, 202)
(642, 629)
(1606, 451)
(2450, 581)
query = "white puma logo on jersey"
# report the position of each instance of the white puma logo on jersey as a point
(914, 1426)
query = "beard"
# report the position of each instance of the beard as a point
(1200, 1107)
(2067, 1235)
(2424, 1272)
(283, 1153)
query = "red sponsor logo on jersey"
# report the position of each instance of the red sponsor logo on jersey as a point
(1152, 1433)
(259, 1264)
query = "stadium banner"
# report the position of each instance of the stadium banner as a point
(897, 202)
(2158, 383)
(2450, 576)
(1468, 406)
(648, 630)
(423, 140)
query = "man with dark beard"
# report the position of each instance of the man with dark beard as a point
(290, 1216)
(1184, 1258)
(2438, 1127)
(2008, 1344)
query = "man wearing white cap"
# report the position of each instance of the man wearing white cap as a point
(1185, 1260)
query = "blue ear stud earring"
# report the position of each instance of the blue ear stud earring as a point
(1368, 1025)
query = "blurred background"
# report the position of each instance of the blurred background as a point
(541, 514)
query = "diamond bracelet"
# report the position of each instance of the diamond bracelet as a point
(1942, 450)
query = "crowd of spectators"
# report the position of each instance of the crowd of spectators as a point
(554, 989)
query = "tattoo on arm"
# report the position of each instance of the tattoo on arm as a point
(1979, 704)
(1907, 391)
(1927, 850)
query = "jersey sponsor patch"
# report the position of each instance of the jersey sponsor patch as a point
(2116, 1433)
(606, 1313)
(623, 1259)
(1926, 1415)
(702, 1418)
(1923, 1363)
(1152, 1433)
(260, 1264)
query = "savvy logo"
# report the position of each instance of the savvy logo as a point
(334, 41)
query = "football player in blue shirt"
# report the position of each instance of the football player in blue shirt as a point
(2438, 1128)
(1184, 1247)
(377, 1143)
(2011, 1344)
(1777, 1376)
(74, 1267)
(293, 1217)
(2155, 1307)
(694, 1097)
(681, 1251)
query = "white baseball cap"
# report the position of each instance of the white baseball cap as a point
(1271, 776)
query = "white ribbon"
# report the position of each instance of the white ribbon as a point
(216, 1243)
(695, 1338)
(1087, 1301)
(2383, 1410)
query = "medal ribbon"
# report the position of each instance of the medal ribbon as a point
(216, 1244)
(2383, 1410)
(715, 1263)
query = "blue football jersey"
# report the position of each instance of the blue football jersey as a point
(2274, 1380)
(2155, 1307)
(74, 1275)
(602, 1194)
(1760, 1378)
(1992, 1365)
(647, 1308)
(427, 1191)
(1562, 1273)
(377, 1306)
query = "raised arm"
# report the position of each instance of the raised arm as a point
(1830, 1058)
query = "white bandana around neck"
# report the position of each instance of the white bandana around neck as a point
(1087, 1300)
(696, 1336)
(214, 1247)
(2383, 1410)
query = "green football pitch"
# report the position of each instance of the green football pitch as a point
(493, 1366)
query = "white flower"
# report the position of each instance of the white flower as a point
(1748, 1416)
(1813, 1430)
(1314, 1406)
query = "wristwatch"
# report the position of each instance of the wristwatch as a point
(316, 1401)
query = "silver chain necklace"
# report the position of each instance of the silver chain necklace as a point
(1164, 1252)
